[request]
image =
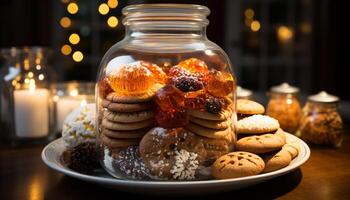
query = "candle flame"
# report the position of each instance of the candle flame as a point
(83, 103)
(74, 93)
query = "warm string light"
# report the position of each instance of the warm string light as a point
(249, 20)
(66, 49)
(103, 9)
(112, 3)
(74, 38)
(77, 56)
(72, 8)
(284, 33)
(112, 21)
(65, 22)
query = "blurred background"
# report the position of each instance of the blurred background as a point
(268, 41)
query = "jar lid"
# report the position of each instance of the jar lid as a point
(242, 92)
(284, 88)
(323, 97)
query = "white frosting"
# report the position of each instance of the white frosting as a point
(257, 121)
(79, 126)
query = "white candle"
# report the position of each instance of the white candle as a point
(31, 113)
(67, 104)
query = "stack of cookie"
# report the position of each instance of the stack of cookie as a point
(125, 120)
(261, 134)
(262, 145)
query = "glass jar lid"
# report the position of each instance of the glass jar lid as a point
(323, 97)
(243, 93)
(284, 88)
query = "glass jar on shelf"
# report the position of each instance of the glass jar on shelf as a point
(26, 106)
(285, 107)
(321, 122)
(158, 89)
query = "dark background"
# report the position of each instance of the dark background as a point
(312, 61)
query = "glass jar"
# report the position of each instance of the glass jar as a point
(243, 93)
(26, 106)
(321, 122)
(285, 107)
(161, 92)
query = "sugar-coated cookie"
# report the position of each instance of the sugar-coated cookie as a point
(237, 164)
(257, 124)
(172, 153)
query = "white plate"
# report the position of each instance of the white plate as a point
(52, 152)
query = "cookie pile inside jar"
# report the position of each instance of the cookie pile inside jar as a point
(165, 124)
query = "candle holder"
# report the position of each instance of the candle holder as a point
(25, 99)
(68, 96)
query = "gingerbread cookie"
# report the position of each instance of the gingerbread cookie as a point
(126, 126)
(237, 164)
(172, 153)
(257, 124)
(219, 125)
(118, 143)
(262, 143)
(249, 107)
(128, 117)
(125, 134)
(126, 107)
(282, 158)
(225, 134)
(221, 116)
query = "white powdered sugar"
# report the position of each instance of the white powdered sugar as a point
(79, 126)
(257, 121)
(108, 160)
(185, 166)
(159, 131)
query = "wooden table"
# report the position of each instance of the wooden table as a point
(325, 176)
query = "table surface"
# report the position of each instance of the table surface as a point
(326, 175)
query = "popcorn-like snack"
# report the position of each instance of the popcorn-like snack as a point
(220, 84)
(138, 78)
(79, 126)
(323, 126)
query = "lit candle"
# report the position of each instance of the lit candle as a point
(31, 112)
(67, 104)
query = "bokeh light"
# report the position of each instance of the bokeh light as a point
(66, 49)
(72, 8)
(78, 56)
(65, 22)
(255, 26)
(112, 21)
(249, 13)
(103, 9)
(112, 3)
(284, 33)
(74, 38)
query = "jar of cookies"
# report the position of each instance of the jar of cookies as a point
(321, 122)
(166, 96)
(285, 107)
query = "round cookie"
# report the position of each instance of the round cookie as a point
(282, 158)
(126, 126)
(262, 143)
(126, 107)
(225, 134)
(146, 96)
(128, 117)
(215, 148)
(249, 107)
(172, 153)
(222, 115)
(219, 125)
(124, 134)
(257, 124)
(237, 164)
(118, 143)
